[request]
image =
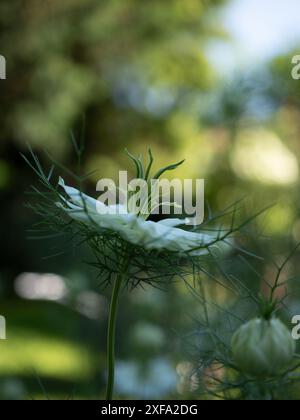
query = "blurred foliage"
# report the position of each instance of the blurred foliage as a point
(112, 60)
(137, 71)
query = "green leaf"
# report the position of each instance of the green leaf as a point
(149, 167)
(168, 168)
(138, 164)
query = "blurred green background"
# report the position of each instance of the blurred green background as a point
(205, 80)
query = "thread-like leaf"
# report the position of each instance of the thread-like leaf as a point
(168, 168)
(138, 164)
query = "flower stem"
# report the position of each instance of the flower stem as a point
(111, 337)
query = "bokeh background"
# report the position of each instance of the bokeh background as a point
(205, 80)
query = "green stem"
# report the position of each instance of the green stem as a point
(111, 337)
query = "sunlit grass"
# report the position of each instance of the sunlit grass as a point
(28, 352)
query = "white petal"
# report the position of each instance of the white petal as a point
(163, 235)
(78, 197)
(172, 222)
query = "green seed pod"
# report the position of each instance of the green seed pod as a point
(263, 348)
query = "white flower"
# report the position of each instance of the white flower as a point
(163, 235)
(263, 347)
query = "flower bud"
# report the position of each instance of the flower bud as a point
(263, 348)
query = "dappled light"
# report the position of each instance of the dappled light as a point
(193, 90)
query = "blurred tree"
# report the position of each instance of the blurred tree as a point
(138, 71)
(125, 64)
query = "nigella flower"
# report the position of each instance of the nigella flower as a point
(163, 235)
(129, 248)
